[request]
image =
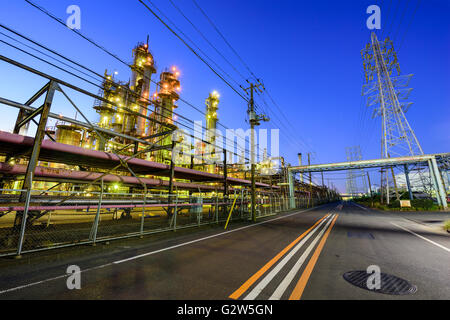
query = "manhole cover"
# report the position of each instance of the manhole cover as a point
(389, 284)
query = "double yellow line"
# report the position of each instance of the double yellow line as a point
(299, 288)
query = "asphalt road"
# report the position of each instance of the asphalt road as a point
(300, 255)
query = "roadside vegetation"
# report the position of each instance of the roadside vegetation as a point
(416, 204)
(447, 226)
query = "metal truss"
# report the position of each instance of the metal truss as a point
(354, 154)
(387, 92)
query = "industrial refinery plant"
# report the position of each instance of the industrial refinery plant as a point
(219, 155)
(129, 172)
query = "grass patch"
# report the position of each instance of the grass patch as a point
(447, 226)
(416, 204)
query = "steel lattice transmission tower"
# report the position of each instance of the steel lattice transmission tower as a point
(351, 180)
(387, 91)
(354, 154)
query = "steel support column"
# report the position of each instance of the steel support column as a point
(408, 183)
(291, 179)
(34, 157)
(434, 182)
(440, 186)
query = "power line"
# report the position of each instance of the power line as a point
(223, 37)
(278, 122)
(75, 30)
(126, 109)
(393, 17)
(115, 56)
(173, 4)
(286, 118)
(191, 49)
(409, 25)
(401, 20)
(184, 42)
(194, 44)
(240, 58)
(206, 39)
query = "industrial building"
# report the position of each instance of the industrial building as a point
(82, 182)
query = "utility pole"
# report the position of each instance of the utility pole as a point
(300, 164)
(310, 180)
(254, 121)
(225, 182)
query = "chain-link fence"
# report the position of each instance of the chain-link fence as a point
(57, 219)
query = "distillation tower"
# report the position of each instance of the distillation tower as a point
(165, 99)
(130, 100)
(142, 70)
(212, 105)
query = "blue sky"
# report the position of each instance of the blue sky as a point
(307, 53)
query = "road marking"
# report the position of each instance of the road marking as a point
(31, 284)
(206, 238)
(360, 206)
(239, 292)
(421, 237)
(157, 251)
(269, 277)
(51, 279)
(301, 284)
(291, 275)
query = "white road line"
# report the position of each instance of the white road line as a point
(31, 284)
(52, 279)
(154, 252)
(206, 238)
(269, 277)
(359, 206)
(421, 237)
(291, 275)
